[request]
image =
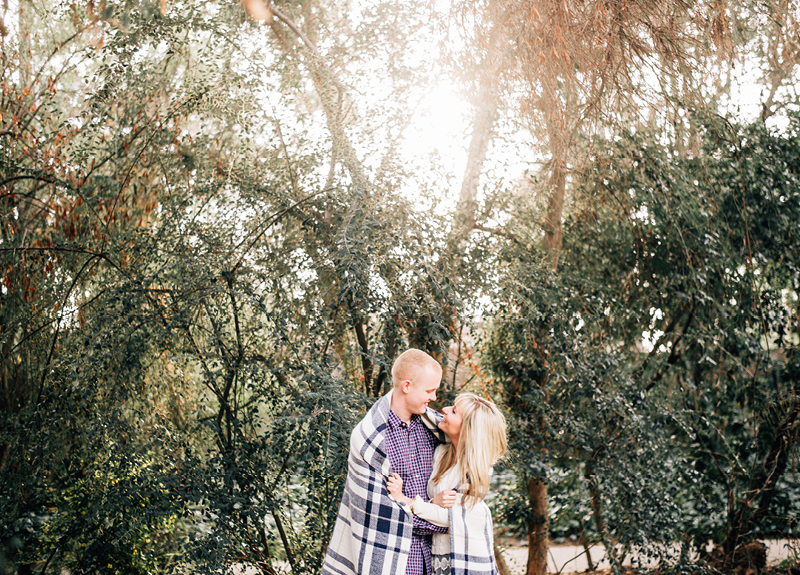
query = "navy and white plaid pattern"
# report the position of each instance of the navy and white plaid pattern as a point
(471, 539)
(410, 448)
(372, 535)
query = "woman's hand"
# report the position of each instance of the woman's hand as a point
(445, 499)
(395, 487)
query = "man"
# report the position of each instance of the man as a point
(375, 535)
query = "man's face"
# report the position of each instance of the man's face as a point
(422, 390)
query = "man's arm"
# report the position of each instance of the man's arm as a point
(422, 527)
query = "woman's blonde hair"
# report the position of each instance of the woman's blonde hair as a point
(481, 442)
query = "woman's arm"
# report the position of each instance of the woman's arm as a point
(434, 512)
(430, 512)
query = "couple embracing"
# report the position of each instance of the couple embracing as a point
(413, 500)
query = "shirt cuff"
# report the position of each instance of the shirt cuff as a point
(416, 502)
(406, 507)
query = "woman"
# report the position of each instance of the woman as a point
(477, 432)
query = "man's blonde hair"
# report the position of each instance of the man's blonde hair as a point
(409, 365)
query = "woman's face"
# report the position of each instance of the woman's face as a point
(451, 422)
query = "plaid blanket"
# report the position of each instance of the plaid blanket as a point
(372, 535)
(471, 540)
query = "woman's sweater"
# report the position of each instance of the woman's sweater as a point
(435, 514)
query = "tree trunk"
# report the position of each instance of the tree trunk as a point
(597, 506)
(366, 361)
(597, 514)
(586, 547)
(482, 127)
(479, 143)
(784, 437)
(502, 566)
(553, 232)
(537, 489)
(537, 528)
(385, 371)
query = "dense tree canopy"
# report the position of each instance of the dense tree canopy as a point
(693, 436)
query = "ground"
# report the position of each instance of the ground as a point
(572, 558)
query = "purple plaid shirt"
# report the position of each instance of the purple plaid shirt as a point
(410, 449)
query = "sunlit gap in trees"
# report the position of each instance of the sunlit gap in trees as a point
(437, 133)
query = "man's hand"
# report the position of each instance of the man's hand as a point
(445, 499)
(395, 487)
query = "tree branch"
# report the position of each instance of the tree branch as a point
(500, 232)
(58, 326)
(309, 44)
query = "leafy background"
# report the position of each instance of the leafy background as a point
(214, 245)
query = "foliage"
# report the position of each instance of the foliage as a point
(209, 263)
(658, 368)
(199, 301)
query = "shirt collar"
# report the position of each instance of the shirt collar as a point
(396, 423)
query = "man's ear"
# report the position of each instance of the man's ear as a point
(405, 386)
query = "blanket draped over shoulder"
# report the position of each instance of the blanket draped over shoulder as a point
(471, 540)
(372, 535)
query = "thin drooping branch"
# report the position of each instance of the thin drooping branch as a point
(329, 90)
(284, 539)
(366, 361)
(292, 176)
(54, 342)
(272, 220)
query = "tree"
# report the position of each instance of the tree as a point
(669, 344)
(203, 291)
(578, 69)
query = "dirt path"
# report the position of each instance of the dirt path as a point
(571, 558)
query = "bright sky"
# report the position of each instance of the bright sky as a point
(440, 126)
